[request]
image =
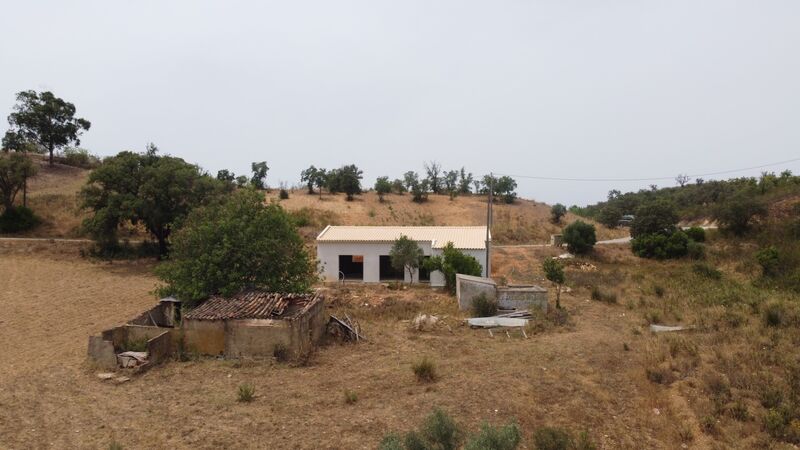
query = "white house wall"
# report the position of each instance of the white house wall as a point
(328, 256)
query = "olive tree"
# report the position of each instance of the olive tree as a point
(554, 272)
(406, 255)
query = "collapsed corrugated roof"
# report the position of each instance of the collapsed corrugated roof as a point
(462, 237)
(253, 304)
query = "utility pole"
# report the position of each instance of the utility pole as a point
(490, 200)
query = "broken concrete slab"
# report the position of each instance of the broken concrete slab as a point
(495, 322)
(106, 375)
(102, 352)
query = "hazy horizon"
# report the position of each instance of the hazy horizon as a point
(553, 89)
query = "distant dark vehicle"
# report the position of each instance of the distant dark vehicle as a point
(626, 220)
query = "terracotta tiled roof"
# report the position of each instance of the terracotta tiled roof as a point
(253, 304)
(461, 237)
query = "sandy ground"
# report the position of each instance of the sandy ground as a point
(51, 300)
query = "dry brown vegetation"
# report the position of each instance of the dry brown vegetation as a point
(524, 222)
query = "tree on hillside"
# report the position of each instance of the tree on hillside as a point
(406, 255)
(154, 191)
(503, 188)
(580, 237)
(45, 121)
(409, 179)
(226, 176)
(346, 179)
(398, 187)
(554, 272)
(557, 211)
(657, 216)
(258, 180)
(433, 170)
(737, 213)
(451, 183)
(682, 179)
(313, 177)
(15, 169)
(240, 243)
(382, 187)
(464, 181)
(453, 261)
(610, 215)
(241, 181)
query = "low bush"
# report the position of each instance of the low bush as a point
(695, 250)
(245, 393)
(18, 219)
(580, 237)
(483, 306)
(738, 410)
(706, 271)
(552, 438)
(660, 375)
(506, 437)
(439, 431)
(603, 296)
(769, 260)
(79, 157)
(696, 234)
(283, 194)
(425, 371)
(774, 314)
(661, 245)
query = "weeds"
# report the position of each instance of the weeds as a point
(425, 371)
(706, 270)
(350, 397)
(482, 306)
(552, 438)
(245, 393)
(136, 345)
(603, 296)
(506, 437)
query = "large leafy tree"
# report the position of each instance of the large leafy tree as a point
(383, 186)
(313, 177)
(259, 169)
(580, 237)
(236, 244)
(45, 121)
(464, 181)
(737, 213)
(434, 176)
(406, 255)
(148, 189)
(346, 179)
(557, 211)
(657, 216)
(15, 169)
(503, 188)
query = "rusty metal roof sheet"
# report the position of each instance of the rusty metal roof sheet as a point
(253, 304)
(461, 237)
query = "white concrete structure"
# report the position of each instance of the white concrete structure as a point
(361, 253)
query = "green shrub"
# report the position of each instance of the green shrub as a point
(660, 245)
(491, 438)
(551, 438)
(769, 260)
(246, 393)
(708, 424)
(580, 237)
(603, 296)
(136, 345)
(482, 306)
(736, 214)
(696, 234)
(706, 271)
(391, 441)
(440, 431)
(425, 371)
(114, 445)
(584, 442)
(557, 211)
(774, 314)
(79, 157)
(658, 290)
(771, 396)
(451, 262)
(695, 250)
(738, 410)
(18, 219)
(655, 217)
(283, 194)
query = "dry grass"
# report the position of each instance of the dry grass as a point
(50, 397)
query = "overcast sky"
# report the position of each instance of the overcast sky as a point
(578, 89)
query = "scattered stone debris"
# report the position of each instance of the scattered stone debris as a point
(345, 329)
(424, 322)
(106, 375)
(565, 256)
(120, 380)
(587, 267)
(129, 360)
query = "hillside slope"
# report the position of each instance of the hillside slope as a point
(524, 222)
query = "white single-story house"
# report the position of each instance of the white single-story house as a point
(361, 253)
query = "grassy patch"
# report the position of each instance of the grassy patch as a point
(425, 371)
(245, 393)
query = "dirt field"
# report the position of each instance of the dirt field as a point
(577, 377)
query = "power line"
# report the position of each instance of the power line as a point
(649, 178)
